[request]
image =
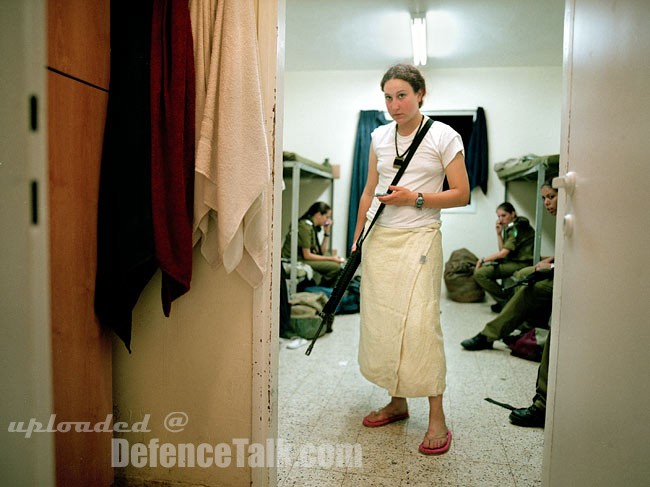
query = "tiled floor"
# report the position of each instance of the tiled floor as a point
(323, 398)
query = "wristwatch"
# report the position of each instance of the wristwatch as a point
(419, 201)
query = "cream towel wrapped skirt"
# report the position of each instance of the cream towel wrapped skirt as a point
(401, 345)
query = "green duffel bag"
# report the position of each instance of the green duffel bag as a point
(459, 277)
(306, 327)
(304, 318)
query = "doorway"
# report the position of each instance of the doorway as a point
(334, 99)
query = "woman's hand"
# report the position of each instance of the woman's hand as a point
(541, 265)
(499, 227)
(400, 196)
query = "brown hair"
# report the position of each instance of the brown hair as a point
(549, 184)
(507, 207)
(318, 207)
(408, 73)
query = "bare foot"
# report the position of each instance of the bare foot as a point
(386, 412)
(395, 410)
(434, 439)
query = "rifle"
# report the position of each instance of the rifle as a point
(329, 310)
(530, 279)
(346, 275)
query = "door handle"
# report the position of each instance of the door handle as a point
(569, 222)
(568, 182)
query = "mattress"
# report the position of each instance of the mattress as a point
(526, 167)
(291, 158)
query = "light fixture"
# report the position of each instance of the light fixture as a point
(419, 39)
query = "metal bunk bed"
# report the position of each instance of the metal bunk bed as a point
(535, 169)
(298, 168)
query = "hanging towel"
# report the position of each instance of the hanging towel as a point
(172, 145)
(477, 153)
(232, 155)
(125, 249)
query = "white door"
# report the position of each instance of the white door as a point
(598, 432)
(25, 380)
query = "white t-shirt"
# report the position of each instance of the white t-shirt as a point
(424, 174)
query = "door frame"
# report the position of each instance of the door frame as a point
(270, 31)
(25, 347)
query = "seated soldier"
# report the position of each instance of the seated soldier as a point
(328, 267)
(535, 414)
(516, 240)
(529, 302)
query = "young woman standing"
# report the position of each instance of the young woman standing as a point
(401, 344)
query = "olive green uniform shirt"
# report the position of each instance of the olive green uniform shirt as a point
(307, 239)
(519, 239)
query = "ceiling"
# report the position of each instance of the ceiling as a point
(373, 34)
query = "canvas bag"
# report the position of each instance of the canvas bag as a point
(459, 277)
(305, 307)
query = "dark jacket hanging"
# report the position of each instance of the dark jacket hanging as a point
(476, 159)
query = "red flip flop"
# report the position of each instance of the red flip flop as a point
(382, 422)
(436, 451)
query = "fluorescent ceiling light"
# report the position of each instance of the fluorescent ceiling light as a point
(419, 39)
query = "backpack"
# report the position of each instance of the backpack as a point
(350, 302)
(459, 277)
(529, 345)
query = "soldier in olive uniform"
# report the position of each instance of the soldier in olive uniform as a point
(528, 302)
(327, 267)
(516, 241)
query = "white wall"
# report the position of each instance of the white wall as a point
(523, 112)
(197, 362)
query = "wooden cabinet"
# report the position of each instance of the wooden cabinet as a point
(78, 75)
(81, 350)
(79, 40)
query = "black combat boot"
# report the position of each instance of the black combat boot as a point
(478, 342)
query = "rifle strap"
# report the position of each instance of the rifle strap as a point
(411, 150)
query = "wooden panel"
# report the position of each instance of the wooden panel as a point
(82, 372)
(79, 39)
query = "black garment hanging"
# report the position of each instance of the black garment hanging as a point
(125, 244)
(476, 159)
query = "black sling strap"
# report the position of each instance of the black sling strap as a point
(411, 150)
(346, 275)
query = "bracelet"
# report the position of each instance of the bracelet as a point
(326, 235)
